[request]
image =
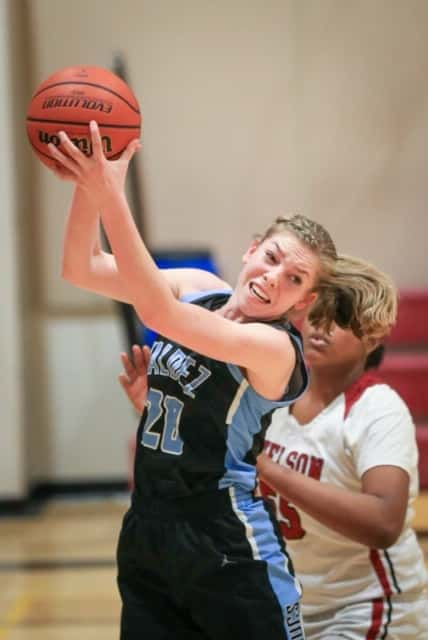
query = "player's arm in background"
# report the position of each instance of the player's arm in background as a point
(134, 376)
(86, 265)
(383, 453)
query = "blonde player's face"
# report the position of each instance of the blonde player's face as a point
(278, 274)
(338, 348)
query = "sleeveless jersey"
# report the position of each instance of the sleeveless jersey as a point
(203, 424)
(367, 426)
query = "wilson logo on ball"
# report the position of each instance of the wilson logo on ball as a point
(82, 143)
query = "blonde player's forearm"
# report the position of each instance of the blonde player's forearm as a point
(147, 288)
(82, 238)
(84, 263)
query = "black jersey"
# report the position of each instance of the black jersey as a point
(203, 424)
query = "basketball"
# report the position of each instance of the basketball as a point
(70, 98)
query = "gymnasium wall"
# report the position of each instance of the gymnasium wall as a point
(251, 109)
(12, 462)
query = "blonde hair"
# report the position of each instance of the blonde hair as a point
(358, 296)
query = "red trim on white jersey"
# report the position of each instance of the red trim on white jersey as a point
(357, 388)
(376, 561)
(378, 604)
(376, 623)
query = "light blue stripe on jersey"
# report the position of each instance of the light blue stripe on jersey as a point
(244, 422)
(265, 546)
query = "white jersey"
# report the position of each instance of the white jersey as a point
(367, 426)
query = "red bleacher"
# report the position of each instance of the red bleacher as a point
(422, 435)
(407, 373)
(411, 329)
(405, 366)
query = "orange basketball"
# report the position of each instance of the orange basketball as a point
(70, 98)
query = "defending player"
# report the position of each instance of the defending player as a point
(340, 465)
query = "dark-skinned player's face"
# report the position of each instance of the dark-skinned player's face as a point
(278, 274)
(338, 348)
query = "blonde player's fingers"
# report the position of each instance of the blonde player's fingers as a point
(70, 148)
(63, 160)
(131, 149)
(97, 145)
(62, 172)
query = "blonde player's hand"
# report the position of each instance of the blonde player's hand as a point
(134, 377)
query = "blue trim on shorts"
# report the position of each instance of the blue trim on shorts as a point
(263, 538)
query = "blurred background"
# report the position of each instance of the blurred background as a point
(251, 109)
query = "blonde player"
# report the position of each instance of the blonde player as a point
(340, 466)
(197, 540)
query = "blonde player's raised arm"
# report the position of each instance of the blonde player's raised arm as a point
(86, 265)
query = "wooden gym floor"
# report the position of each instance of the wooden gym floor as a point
(57, 569)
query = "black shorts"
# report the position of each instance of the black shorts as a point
(206, 568)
